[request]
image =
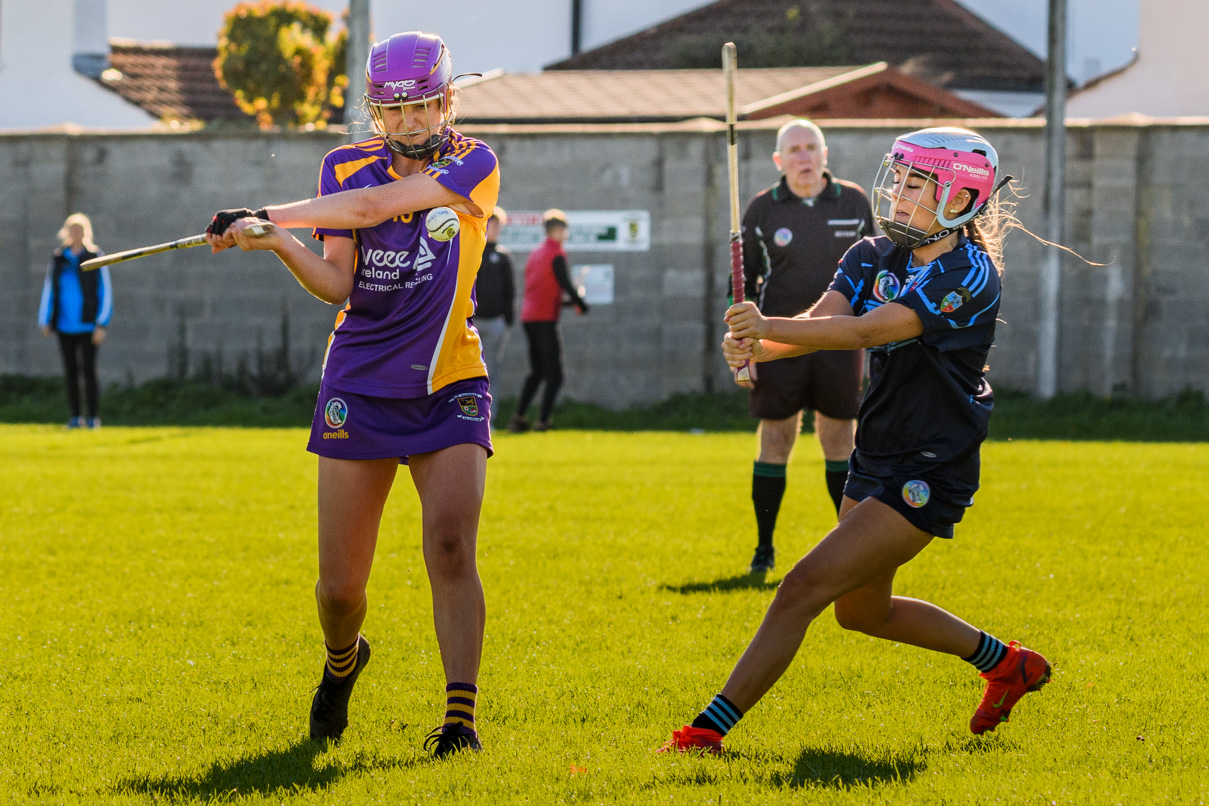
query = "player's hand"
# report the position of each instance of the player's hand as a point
(738, 352)
(746, 321)
(223, 219)
(254, 234)
(98, 336)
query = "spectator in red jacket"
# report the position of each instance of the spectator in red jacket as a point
(547, 280)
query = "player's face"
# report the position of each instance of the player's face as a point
(493, 229)
(413, 123)
(915, 200)
(76, 234)
(801, 156)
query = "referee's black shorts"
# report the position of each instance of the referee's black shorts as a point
(828, 382)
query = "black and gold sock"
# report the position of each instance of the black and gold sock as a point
(460, 702)
(340, 662)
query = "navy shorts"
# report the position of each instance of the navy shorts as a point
(933, 500)
(351, 426)
(828, 382)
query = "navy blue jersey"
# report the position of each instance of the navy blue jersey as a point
(928, 400)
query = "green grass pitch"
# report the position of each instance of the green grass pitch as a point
(160, 641)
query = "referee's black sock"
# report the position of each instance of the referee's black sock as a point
(836, 471)
(767, 490)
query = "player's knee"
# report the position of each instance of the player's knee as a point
(858, 619)
(339, 598)
(801, 593)
(449, 554)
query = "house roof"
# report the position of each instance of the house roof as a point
(658, 96)
(171, 82)
(938, 41)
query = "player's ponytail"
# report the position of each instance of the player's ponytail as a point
(988, 229)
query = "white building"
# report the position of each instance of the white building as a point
(1167, 79)
(40, 87)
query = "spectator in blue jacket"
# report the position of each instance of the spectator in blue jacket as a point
(76, 306)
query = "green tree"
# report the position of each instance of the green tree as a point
(282, 63)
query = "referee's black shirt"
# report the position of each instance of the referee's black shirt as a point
(792, 246)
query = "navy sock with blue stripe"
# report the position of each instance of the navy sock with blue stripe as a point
(720, 715)
(990, 651)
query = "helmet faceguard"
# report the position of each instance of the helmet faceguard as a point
(955, 160)
(406, 72)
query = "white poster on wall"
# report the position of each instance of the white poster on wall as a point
(590, 231)
(594, 282)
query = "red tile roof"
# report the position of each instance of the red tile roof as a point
(171, 82)
(936, 40)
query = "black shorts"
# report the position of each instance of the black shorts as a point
(828, 382)
(933, 500)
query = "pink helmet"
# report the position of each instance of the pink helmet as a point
(956, 160)
(410, 68)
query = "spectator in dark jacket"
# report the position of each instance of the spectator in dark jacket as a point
(495, 302)
(76, 306)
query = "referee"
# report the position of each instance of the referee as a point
(794, 235)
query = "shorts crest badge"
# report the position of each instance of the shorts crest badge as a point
(916, 493)
(469, 405)
(335, 412)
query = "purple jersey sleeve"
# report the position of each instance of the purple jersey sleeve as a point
(466, 167)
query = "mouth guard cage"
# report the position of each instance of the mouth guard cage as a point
(407, 71)
(955, 159)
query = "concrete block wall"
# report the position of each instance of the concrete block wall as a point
(1133, 325)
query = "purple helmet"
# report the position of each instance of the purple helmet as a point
(955, 159)
(410, 69)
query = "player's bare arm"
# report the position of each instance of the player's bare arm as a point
(782, 337)
(330, 277)
(368, 207)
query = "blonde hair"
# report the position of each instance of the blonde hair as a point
(553, 218)
(989, 228)
(85, 224)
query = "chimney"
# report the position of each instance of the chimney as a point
(90, 51)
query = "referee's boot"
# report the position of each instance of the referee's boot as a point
(1021, 671)
(764, 561)
(329, 708)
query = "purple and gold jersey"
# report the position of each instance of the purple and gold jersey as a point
(406, 330)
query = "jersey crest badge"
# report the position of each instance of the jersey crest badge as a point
(886, 286)
(955, 299)
(782, 237)
(916, 493)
